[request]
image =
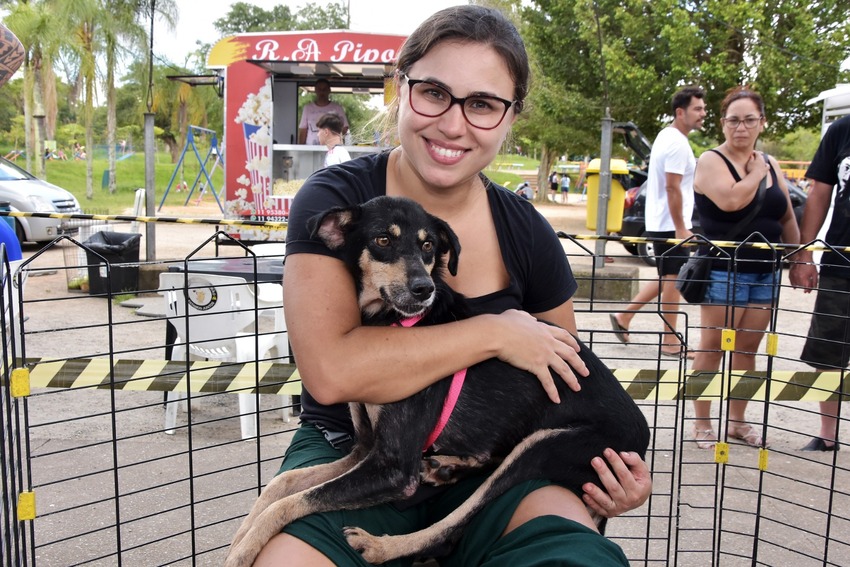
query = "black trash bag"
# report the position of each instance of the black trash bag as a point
(121, 252)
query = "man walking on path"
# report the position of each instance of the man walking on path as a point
(828, 344)
(669, 208)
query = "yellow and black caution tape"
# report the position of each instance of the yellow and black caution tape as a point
(283, 379)
(133, 218)
(162, 375)
(813, 246)
(816, 245)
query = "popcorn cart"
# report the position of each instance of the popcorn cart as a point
(262, 76)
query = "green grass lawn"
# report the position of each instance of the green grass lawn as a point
(130, 175)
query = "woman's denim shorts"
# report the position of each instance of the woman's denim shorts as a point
(748, 288)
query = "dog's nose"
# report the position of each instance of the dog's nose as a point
(421, 288)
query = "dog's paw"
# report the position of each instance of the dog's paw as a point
(241, 555)
(366, 544)
(439, 470)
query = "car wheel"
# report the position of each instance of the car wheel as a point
(631, 248)
(646, 251)
(19, 232)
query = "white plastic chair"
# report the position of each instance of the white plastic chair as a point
(269, 249)
(221, 325)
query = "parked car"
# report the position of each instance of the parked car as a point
(634, 222)
(26, 193)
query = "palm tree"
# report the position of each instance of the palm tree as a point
(122, 25)
(36, 26)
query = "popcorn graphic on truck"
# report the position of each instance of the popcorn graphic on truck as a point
(263, 77)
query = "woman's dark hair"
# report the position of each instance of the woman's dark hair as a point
(331, 121)
(682, 98)
(739, 92)
(475, 24)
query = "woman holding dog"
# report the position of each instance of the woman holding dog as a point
(726, 185)
(461, 80)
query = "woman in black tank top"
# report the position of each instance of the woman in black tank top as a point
(726, 186)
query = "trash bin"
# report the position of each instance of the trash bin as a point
(616, 200)
(121, 251)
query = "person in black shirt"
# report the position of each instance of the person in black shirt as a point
(828, 343)
(726, 186)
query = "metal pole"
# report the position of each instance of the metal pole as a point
(150, 188)
(604, 188)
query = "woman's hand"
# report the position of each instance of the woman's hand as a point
(626, 488)
(540, 348)
(757, 165)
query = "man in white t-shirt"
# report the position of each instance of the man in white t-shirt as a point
(307, 131)
(668, 212)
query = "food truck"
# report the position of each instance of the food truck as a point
(261, 76)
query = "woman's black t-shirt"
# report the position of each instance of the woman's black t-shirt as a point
(540, 275)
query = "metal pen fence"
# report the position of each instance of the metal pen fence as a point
(91, 477)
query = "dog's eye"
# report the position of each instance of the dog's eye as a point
(427, 246)
(382, 241)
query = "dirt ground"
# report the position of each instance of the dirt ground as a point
(51, 307)
(64, 323)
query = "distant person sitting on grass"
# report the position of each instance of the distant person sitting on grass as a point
(525, 191)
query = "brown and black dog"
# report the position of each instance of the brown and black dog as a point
(503, 420)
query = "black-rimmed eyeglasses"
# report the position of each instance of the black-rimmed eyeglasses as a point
(431, 100)
(749, 123)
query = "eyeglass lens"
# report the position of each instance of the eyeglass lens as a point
(431, 100)
(750, 122)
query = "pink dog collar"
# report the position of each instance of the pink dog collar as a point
(451, 397)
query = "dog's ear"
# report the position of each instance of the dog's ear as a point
(448, 244)
(332, 225)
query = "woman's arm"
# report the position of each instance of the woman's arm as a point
(341, 361)
(790, 229)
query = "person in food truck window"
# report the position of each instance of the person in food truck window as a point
(330, 134)
(308, 132)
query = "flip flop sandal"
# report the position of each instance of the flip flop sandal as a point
(749, 436)
(678, 354)
(705, 438)
(620, 331)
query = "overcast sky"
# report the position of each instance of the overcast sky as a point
(197, 17)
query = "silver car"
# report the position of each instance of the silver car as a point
(26, 193)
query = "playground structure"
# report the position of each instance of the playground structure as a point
(207, 168)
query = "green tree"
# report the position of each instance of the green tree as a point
(244, 17)
(788, 50)
(39, 30)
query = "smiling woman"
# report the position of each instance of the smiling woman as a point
(460, 82)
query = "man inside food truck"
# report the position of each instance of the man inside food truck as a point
(308, 132)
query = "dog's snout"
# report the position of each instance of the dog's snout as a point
(421, 288)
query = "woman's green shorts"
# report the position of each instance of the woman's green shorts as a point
(549, 540)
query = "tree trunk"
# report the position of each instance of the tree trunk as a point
(111, 120)
(548, 159)
(35, 153)
(89, 120)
